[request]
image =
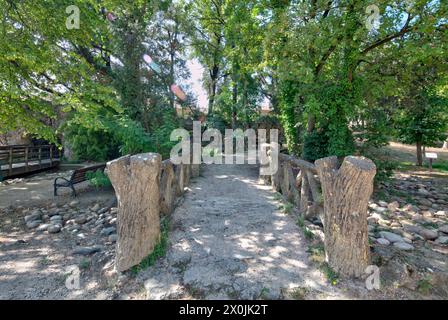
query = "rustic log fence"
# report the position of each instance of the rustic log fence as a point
(146, 188)
(336, 192)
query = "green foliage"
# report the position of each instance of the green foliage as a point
(426, 121)
(315, 145)
(99, 179)
(384, 170)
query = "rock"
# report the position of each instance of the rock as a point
(444, 229)
(33, 224)
(43, 227)
(380, 209)
(56, 219)
(54, 228)
(86, 250)
(393, 206)
(103, 210)
(383, 241)
(113, 238)
(442, 240)
(391, 237)
(383, 203)
(403, 246)
(53, 212)
(428, 234)
(107, 231)
(74, 203)
(81, 219)
(440, 214)
(32, 217)
(425, 202)
(423, 192)
(96, 207)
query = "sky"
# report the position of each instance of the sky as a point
(197, 70)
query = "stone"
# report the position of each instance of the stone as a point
(136, 181)
(425, 202)
(393, 206)
(113, 238)
(440, 214)
(380, 209)
(74, 203)
(107, 231)
(391, 237)
(56, 219)
(96, 207)
(54, 228)
(86, 250)
(32, 217)
(403, 246)
(428, 234)
(423, 192)
(383, 203)
(43, 227)
(33, 224)
(383, 241)
(444, 229)
(81, 219)
(442, 240)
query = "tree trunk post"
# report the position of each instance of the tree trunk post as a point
(136, 183)
(346, 191)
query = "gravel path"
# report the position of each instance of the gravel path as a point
(229, 240)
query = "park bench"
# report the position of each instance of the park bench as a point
(78, 176)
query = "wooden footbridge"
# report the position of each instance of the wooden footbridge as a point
(19, 160)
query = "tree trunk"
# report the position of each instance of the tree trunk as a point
(346, 193)
(167, 188)
(445, 145)
(419, 154)
(136, 183)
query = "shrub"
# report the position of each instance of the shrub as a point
(99, 179)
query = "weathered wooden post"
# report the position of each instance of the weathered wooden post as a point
(136, 183)
(346, 191)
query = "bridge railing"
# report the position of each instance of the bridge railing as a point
(19, 159)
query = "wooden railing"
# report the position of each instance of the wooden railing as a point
(21, 159)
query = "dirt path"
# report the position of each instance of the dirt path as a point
(229, 240)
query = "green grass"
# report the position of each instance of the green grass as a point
(287, 207)
(424, 286)
(84, 264)
(158, 252)
(438, 165)
(299, 293)
(331, 275)
(307, 232)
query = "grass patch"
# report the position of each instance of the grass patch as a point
(158, 252)
(287, 207)
(424, 286)
(84, 264)
(299, 293)
(440, 165)
(307, 232)
(99, 179)
(317, 253)
(264, 294)
(45, 261)
(331, 275)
